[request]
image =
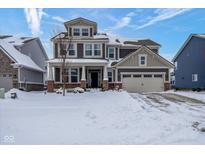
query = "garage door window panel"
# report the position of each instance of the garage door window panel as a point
(126, 76)
(147, 76)
(158, 76)
(137, 76)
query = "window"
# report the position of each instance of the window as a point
(76, 31)
(147, 76)
(71, 51)
(88, 49)
(126, 76)
(57, 74)
(111, 53)
(194, 77)
(74, 75)
(157, 76)
(85, 32)
(66, 76)
(175, 64)
(137, 76)
(110, 76)
(63, 48)
(97, 49)
(142, 60)
(92, 50)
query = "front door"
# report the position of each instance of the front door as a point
(94, 79)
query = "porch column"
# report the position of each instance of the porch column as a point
(105, 78)
(83, 79)
(50, 78)
(105, 73)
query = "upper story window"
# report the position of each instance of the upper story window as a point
(88, 49)
(76, 31)
(142, 60)
(93, 50)
(175, 64)
(97, 49)
(111, 52)
(194, 77)
(85, 32)
(72, 50)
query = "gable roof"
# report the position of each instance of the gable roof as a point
(186, 42)
(16, 56)
(148, 50)
(80, 19)
(142, 42)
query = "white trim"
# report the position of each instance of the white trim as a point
(78, 76)
(139, 59)
(143, 73)
(80, 28)
(10, 56)
(194, 77)
(109, 54)
(92, 50)
(147, 50)
(155, 67)
(30, 82)
(75, 48)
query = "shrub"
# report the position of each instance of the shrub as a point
(193, 89)
(198, 89)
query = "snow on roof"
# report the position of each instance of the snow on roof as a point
(17, 41)
(19, 58)
(85, 61)
(111, 62)
(100, 36)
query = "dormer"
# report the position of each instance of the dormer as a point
(81, 27)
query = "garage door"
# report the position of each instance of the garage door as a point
(143, 82)
(6, 81)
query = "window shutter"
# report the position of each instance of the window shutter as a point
(56, 50)
(91, 32)
(70, 31)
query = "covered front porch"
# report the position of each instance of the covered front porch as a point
(84, 73)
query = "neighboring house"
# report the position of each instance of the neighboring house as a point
(189, 63)
(100, 61)
(22, 63)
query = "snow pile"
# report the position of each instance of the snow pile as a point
(96, 117)
(190, 94)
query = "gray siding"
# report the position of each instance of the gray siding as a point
(191, 61)
(35, 52)
(29, 75)
(125, 52)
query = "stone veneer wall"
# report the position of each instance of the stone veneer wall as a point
(7, 68)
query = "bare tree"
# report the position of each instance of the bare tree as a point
(64, 48)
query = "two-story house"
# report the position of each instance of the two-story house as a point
(189, 63)
(22, 63)
(100, 61)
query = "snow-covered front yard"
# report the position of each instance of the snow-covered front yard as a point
(100, 118)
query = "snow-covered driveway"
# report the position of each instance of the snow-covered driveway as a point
(99, 118)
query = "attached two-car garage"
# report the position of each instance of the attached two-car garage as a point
(143, 82)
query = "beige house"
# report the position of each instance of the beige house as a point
(100, 61)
